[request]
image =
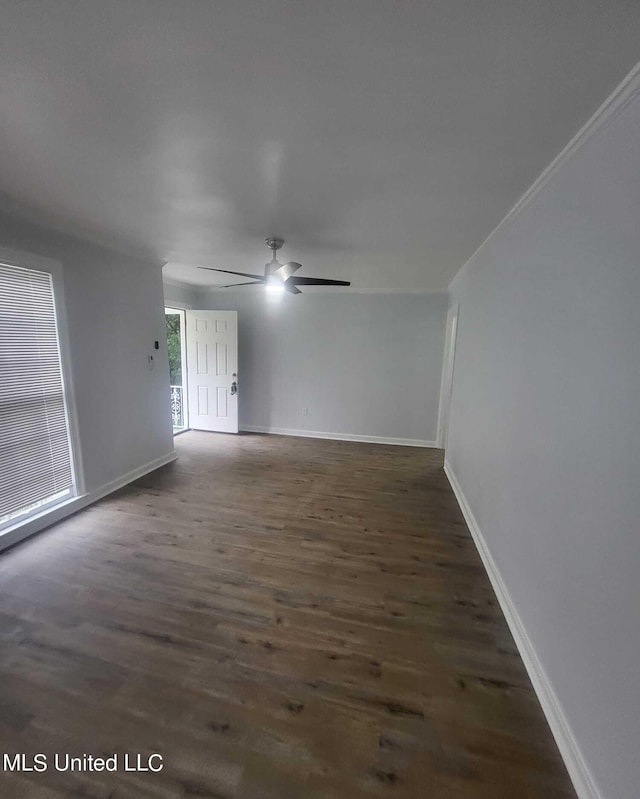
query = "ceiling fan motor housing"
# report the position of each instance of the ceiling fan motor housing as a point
(274, 244)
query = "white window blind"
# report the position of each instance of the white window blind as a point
(35, 452)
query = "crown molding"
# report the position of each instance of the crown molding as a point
(176, 284)
(614, 105)
(328, 292)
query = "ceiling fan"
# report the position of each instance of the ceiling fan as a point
(278, 277)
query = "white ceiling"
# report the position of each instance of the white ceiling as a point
(383, 139)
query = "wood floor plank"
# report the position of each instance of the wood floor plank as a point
(278, 618)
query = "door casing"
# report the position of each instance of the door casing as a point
(446, 386)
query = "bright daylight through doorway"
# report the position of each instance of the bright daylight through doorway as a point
(175, 318)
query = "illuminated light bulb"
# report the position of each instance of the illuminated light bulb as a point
(274, 285)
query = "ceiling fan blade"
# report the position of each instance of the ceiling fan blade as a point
(232, 285)
(291, 288)
(315, 281)
(229, 272)
(286, 270)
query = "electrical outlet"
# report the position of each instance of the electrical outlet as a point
(305, 411)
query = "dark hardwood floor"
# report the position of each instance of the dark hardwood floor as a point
(279, 618)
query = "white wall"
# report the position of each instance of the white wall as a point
(115, 312)
(363, 364)
(545, 433)
(179, 296)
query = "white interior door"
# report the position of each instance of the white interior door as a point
(212, 366)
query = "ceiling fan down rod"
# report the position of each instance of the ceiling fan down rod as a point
(274, 244)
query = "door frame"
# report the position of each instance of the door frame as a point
(446, 383)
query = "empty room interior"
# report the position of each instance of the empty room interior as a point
(319, 416)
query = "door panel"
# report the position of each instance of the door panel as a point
(212, 363)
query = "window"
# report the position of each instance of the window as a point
(36, 465)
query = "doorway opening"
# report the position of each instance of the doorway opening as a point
(446, 385)
(176, 349)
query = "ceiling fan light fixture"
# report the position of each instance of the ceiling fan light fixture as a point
(274, 285)
(277, 277)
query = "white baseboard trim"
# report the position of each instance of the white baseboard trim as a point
(37, 523)
(579, 772)
(283, 431)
